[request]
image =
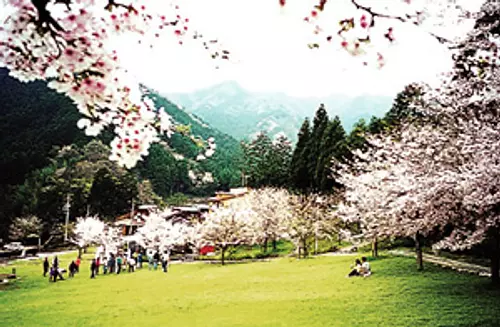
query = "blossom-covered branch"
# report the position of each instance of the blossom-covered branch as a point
(69, 43)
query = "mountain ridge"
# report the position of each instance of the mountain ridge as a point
(232, 109)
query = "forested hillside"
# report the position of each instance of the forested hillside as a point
(44, 157)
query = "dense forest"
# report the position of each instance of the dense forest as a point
(307, 168)
(45, 157)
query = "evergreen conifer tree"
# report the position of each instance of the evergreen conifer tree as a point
(299, 173)
(320, 123)
(333, 145)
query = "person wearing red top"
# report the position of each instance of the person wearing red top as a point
(77, 262)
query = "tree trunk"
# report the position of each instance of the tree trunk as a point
(340, 239)
(375, 247)
(265, 245)
(495, 259)
(274, 245)
(304, 246)
(418, 250)
(223, 252)
(85, 249)
(79, 252)
(315, 244)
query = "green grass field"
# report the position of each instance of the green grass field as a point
(282, 292)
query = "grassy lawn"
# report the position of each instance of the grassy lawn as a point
(283, 292)
(283, 248)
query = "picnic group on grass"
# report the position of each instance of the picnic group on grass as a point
(115, 263)
(360, 268)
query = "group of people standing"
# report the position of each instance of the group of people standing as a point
(112, 264)
(55, 271)
(115, 263)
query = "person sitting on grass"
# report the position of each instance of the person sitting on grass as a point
(356, 269)
(365, 267)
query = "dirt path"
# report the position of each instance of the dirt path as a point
(459, 266)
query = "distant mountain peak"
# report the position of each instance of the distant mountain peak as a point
(232, 109)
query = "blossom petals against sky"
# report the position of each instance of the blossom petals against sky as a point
(270, 53)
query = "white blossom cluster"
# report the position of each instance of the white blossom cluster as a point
(441, 171)
(366, 28)
(68, 43)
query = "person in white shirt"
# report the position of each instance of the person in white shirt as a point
(365, 267)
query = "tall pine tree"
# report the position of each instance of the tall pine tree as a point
(300, 179)
(280, 159)
(332, 146)
(320, 124)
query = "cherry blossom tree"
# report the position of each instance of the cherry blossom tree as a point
(271, 210)
(24, 227)
(302, 223)
(111, 239)
(70, 44)
(160, 234)
(88, 230)
(226, 227)
(366, 28)
(441, 171)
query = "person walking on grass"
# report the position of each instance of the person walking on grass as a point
(97, 265)
(78, 261)
(164, 261)
(45, 266)
(131, 265)
(93, 267)
(72, 269)
(111, 263)
(56, 272)
(118, 264)
(105, 266)
(150, 261)
(139, 260)
(156, 259)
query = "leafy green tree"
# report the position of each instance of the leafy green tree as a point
(110, 195)
(146, 195)
(158, 168)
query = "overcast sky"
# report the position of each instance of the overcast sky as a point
(270, 53)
